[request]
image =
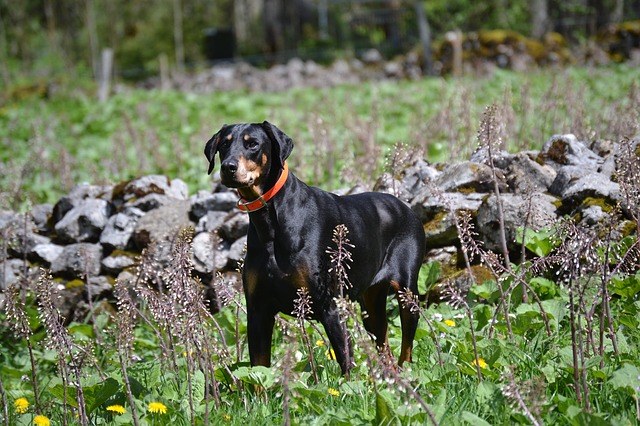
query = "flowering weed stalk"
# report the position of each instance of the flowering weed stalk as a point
(58, 338)
(19, 322)
(302, 311)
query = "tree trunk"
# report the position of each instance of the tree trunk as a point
(248, 23)
(539, 18)
(618, 12)
(425, 38)
(4, 54)
(178, 35)
(93, 38)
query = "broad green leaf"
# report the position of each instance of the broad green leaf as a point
(474, 419)
(384, 413)
(538, 242)
(626, 287)
(197, 386)
(67, 395)
(257, 375)
(488, 290)
(627, 377)
(543, 287)
(428, 276)
(100, 393)
(485, 392)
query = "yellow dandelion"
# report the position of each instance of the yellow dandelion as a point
(116, 409)
(319, 343)
(481, 362)
(330, 354)
(41, 421)
(450, 323)
(226, 417)
(21, 405)
(157, 407)
(333, 392)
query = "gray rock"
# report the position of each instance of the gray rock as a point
(565, 176)
(524, 175)
(78, 259)
(204, 202)
(429, 204)
(61, 208)
(155, 184)
(441, 231)
(163, 223)
(211, 221)
(468, 176)
(116, 262)
(41, 213)
(149, 202)
(593, 215)
(84, 191)
(437, 210)
(10, 272)
(96, 286)
(371, 56)
(47, 253)
(237, 252)
(210, 254)
(393, 70)
(594, 185)
(19, 232)
(76, 196)
(604, 148)
(410, 181)
(536, 213)
(118, 233)
(561, 150)
(235, 226)
(85, 221)
(6, 218)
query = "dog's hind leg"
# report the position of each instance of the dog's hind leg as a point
(409, 322)
(374, 303)
(338, 337)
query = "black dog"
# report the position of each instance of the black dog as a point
(291, 228)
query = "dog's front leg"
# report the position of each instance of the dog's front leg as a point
(259, 332)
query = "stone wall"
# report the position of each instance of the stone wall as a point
(95, 234)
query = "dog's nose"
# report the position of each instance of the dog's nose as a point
(229, 167)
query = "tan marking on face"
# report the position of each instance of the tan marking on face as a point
(249, 173)
(246, 137)
(264, 159)
(229, 137)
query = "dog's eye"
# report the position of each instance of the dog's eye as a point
(251, 144)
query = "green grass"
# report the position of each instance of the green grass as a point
(342, 134)
(177, 350)
(51, 145)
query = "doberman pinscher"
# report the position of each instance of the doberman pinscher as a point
(290, 231)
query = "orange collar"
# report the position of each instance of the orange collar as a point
(260, 202)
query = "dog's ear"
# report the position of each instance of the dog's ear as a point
(211, 148)
(282, 144)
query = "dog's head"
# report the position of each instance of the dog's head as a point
(247, 152)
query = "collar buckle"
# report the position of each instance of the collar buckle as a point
(248, 206)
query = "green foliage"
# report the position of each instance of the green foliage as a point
(341, 134)
(428, 276)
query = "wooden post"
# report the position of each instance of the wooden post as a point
(165, 82)
(104, 86)
(455, 38)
